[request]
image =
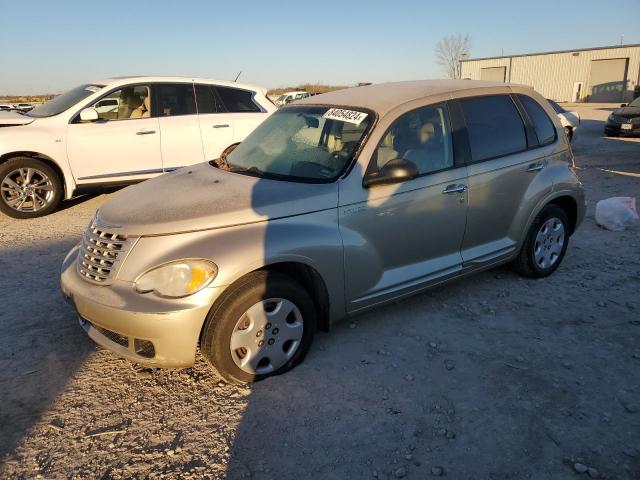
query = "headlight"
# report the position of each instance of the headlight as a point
(177, 279)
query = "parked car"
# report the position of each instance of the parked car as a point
(6, 106)
(79, 140)
(569, 119)
(289, 97)
(624, 121)
(334, 205)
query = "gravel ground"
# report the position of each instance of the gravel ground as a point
(491, 377)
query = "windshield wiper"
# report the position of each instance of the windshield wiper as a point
(253, 171)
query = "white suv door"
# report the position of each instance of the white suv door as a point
(242, 111)
(216, 125)
(123, 144)
(180, 139)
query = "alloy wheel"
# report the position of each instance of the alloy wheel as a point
(27, 190)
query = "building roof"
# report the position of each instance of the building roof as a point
(630, 45)
(383, 97)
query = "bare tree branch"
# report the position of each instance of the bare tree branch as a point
(450, 50)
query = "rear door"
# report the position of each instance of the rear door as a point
(505, 160)
(242, 110)
(180, 139)
(216, 124)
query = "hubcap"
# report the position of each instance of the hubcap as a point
(549, 243)
(266, 336)
(27, 190)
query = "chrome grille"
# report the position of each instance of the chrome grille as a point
(99, 255)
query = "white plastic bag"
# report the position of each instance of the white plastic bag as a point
(616, 213)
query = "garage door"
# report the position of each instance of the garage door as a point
(608, 80)
(493, 74)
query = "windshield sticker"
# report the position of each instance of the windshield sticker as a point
(92, 89)
(349, 116)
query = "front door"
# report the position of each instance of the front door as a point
(124, 144)
(180, 138)
(400, 238)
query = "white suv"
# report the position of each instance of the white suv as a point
(119, 131)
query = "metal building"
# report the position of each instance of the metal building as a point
(604, 74)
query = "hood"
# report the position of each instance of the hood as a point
(8, 119)
(628, 112)
(202, 197)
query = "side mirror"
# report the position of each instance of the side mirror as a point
(394, 171)
(623, 105)
(89, 115)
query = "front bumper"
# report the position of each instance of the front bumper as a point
(126, 322)
(616, 129)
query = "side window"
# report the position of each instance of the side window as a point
(545, 130)
(236, 100)
(421, 136)
(124, 104)
(494, 126)
(207, 100)
(175, 99)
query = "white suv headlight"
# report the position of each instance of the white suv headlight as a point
(177, 279)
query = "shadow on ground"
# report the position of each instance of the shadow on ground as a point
(41, 346)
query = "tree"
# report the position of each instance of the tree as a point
(450, 50)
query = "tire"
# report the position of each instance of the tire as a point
(539, 246)
(231, 313)
(42, 201)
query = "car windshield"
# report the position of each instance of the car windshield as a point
(62, 102)
(635, 103)
(305, 144)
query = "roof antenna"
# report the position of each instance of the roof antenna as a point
(238, 76)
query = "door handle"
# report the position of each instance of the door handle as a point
(535, 167)
(455, 189)
(221, 125)
(146, 132)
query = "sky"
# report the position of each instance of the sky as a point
(50, 46)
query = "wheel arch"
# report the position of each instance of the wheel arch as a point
(44, 158)
(570, 207)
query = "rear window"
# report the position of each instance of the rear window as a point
(545, 130)
(556, 106)
(207, 100)
(494, 126)
(236, 100)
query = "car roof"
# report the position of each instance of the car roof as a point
(114, 81)
(383, 97)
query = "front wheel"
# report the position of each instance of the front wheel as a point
(262, 326)
(545, 244)
(29, 188)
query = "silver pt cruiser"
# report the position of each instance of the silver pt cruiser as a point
(334, 205)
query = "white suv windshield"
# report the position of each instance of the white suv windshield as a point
(307, 144)
(62, 102)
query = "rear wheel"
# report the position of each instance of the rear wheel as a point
(28, 188)
(262, 326)
(545, 244)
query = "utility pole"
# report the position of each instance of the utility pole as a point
(622, 39)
